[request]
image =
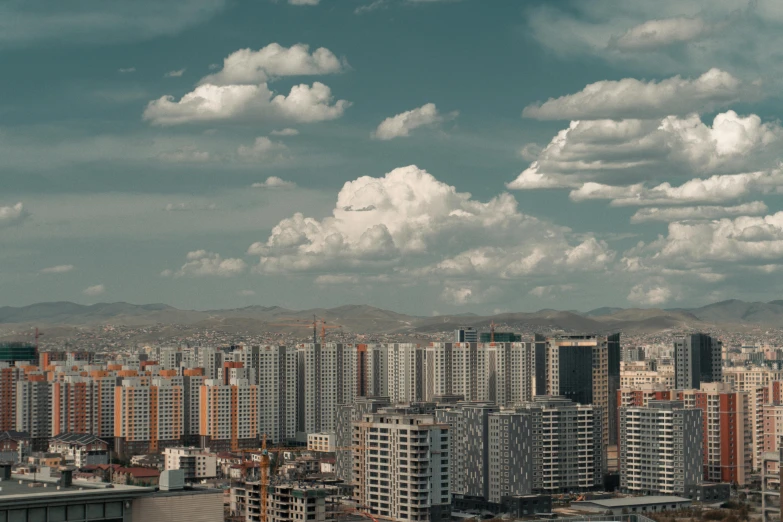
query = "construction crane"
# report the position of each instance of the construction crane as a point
(492, 332)
(314, 324)
(265, 472)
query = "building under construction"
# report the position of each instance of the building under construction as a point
(18, 351)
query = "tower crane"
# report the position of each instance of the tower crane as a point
(265, 471)
(492, 332)
(314, 324)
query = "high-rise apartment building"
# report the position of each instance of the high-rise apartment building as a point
(633, 354)
(510, 455)
(34, 410)
(466, 334)
(229, 415)
(697, 359)
(148, 417)
(469, 423)
(567, 452)
(727, 428)
(73, 406)
(347, 414)
(9, 375)
(746, 379)
(327, 377)
(486, 372)
(586, 370)
(277, 378)
(661, 448)
(403, 472)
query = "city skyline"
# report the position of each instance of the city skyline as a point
(422, 156)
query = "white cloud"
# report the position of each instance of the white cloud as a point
(655, 34)
(633, 150)
(186, 154)
(246, 293)
(201, 263)
(549, 291)
(303, 2)
(632, 98)
(262, 147)
(652, 293)
(402, 124)
(12, 215)
(469, 294)
(408, 224)
(530, 151)
(715, 189)
(126, 70)
(208, 103)
(668, 215)
(249, 67)
(745, 240)
(94, 290)
(58, 269)
(285, 132)
(174, 74)
(273, 182)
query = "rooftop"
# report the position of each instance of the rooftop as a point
(634, 501)
(24, 487)
(81, 439)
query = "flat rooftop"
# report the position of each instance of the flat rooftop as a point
(24, 487)
(635, 501)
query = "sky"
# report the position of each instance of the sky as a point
(425, 156)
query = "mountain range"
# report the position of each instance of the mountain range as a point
(362, 319)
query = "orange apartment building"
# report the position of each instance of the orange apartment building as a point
(229, 415)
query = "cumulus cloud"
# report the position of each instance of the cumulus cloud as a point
(211, 103)
(469, 294)
(58, 269)
(174, 74)
(746, 240)
(303, 2)
(632, 98)
(249, 67)
(402, 124)
(273, 182)
(285, 132)
(261, 148)
(651, 293)
(634, 150)
(94, 290)
(126, 70)
(715, 189)
(668, 215)
(654, 34)
(12, 215)
(408, 225)
(201, 263)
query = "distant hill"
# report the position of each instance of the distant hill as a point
(369, 319)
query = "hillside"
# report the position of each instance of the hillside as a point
(369, 319)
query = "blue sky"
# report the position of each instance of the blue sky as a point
(400, 153)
